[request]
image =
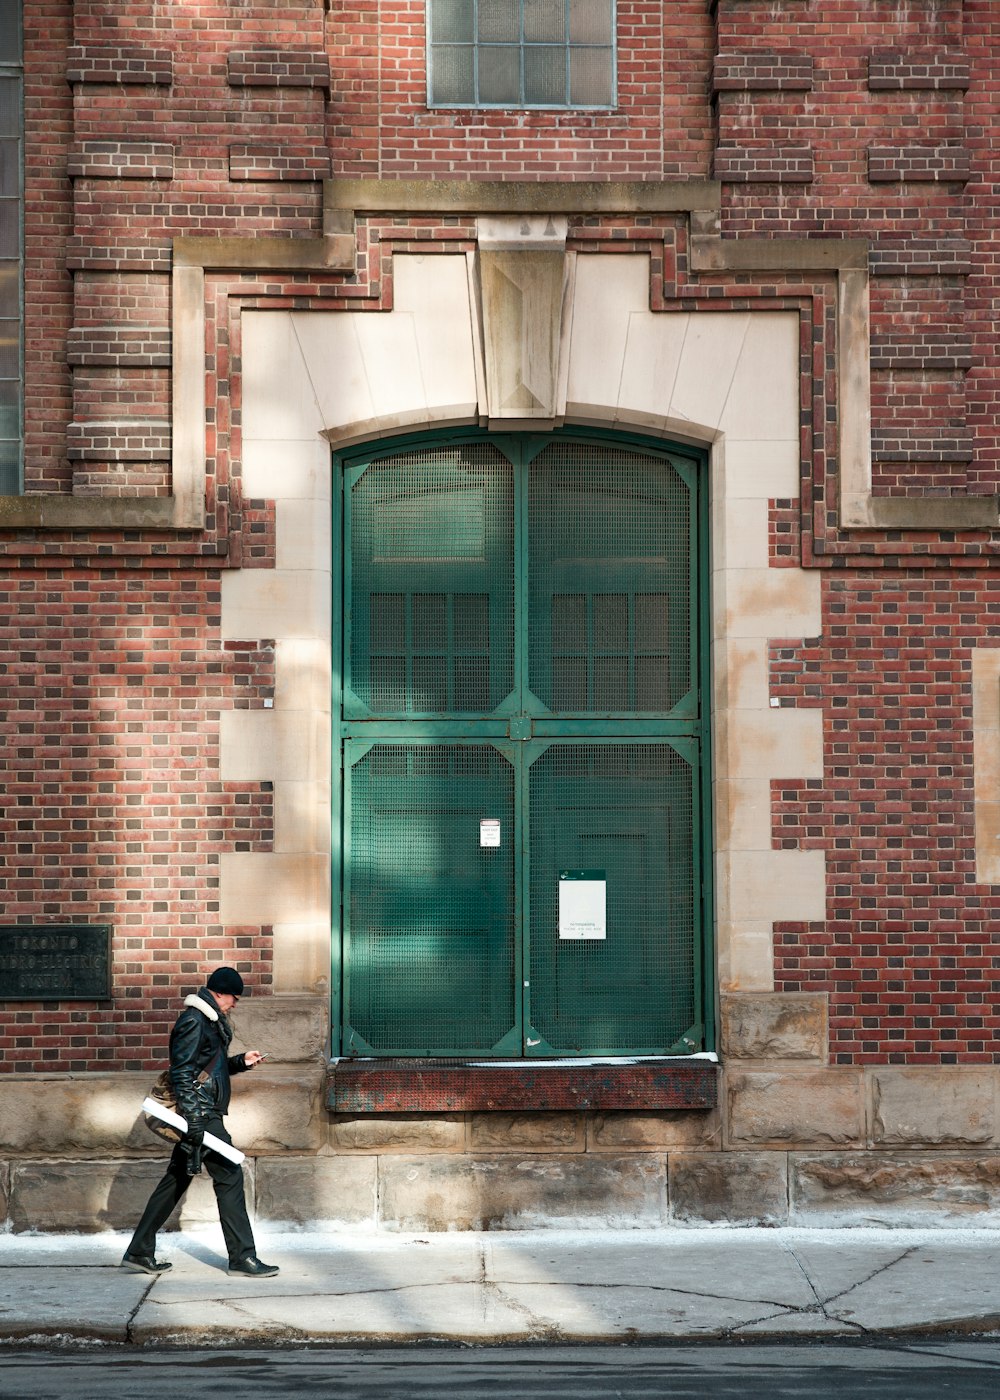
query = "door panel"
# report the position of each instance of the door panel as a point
(610, 582)
(627, 810)
(521, 644)
(430, 602)
(429, 911)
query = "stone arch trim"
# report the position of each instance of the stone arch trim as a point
(690, 376)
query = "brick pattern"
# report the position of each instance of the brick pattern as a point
(922, 257)
(128, 345)
(119, 63)
(122, 160)
(113, 810)
(129, 253)
(934, 349)
(899, 163)
(902, 446)
(279, 163)
(380, 122)
(115, 674)
(295, 68)
(925, 221)
(764, 164)
(119, 441)
(48, 223)
(910, 951)
(762, 72)
(896, 70)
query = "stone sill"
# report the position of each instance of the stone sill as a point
(396, 1085)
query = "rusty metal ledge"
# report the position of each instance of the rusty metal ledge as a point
(460, 1086)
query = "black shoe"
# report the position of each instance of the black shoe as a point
(251, 1267)
(145, 1264)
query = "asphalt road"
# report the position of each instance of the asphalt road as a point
(964, 1369)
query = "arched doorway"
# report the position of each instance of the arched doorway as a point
(523, 780)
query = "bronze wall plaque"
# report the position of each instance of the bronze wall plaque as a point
(55, 962)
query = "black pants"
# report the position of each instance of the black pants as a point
(227, 1178)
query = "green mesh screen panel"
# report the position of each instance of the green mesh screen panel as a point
(610, 579)
(479, 583)
(431, 621)
(625, 809)
(430, 913)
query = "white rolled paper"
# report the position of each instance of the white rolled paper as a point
(224, 1149)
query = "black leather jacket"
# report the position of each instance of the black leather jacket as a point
(200, 1040)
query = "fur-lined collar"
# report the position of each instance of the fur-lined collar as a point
(196, 1000)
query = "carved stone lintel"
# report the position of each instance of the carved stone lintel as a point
(522, 276)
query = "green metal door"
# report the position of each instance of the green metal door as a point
(523, 666)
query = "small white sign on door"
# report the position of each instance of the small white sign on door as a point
(583, 904)
(489, 831)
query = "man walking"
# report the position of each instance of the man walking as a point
(200, 1066)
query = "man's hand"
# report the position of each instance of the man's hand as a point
(194, 1146)
(253, 1057)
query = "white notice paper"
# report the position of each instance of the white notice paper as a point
(583, 904)
(489, 831)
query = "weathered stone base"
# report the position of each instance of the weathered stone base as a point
(86, 1197)
(519, 1190)
(791, 1141)
(920, 1188)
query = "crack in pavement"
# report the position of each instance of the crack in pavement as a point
(733, 1330)
(130, 1320)
(882, 1269)
(656, 1288)
(320, 1293)
(820, 1304)
(484, 1282)
(813, 1310)
(537, 1329)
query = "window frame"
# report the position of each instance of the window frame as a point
(361, 731)
(520, 105)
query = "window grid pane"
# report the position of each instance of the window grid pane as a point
(521, 53)
(10, 31)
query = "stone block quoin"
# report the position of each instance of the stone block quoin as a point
(895, 164)
(119, 63)
(895, 70)
(308, 68)
(762, 71)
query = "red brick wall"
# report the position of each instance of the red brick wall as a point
(380, 125)
(113, 808)
(873, 118)
(910, 952)
(48, 223)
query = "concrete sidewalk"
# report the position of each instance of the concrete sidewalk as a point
(546, 1286)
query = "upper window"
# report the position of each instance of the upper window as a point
(521, 53)
(11, 119)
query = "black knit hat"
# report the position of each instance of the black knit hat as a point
(227, 981)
